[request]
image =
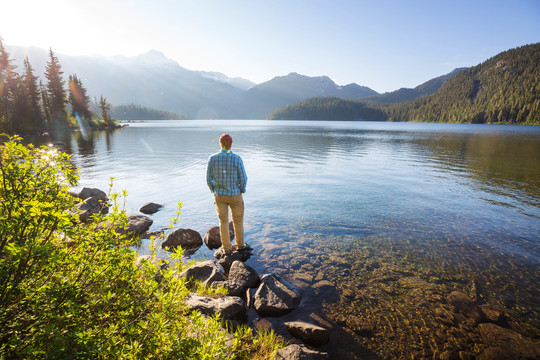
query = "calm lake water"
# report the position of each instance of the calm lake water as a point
(395, 216)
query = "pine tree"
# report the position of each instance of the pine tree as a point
(7, 89)
(45, 103)
(80, 102)
(105, 107)
(56, 92)
(33, 94)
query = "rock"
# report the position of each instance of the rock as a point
(205, 272)
(233, 289)
(93, 193)
(87, 208)
(137, 224)
(186, 238)
(495, 353)
(310, 334)
(243, 275)
(516, 344)
(212, 238)
(150, 208)
(299, 352)
(228, 307)
(276, 296)
(325, 290)
(226, 260)
(462, 303)
(74, 194)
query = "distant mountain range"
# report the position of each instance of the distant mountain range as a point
(152, 80)
(503, 89)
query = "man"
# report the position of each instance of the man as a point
(226, 178)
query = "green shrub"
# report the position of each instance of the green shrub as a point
(70, 290)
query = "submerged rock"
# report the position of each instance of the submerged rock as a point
(276, 296)
(462, 303)
(310, 334)
(186, 238)
(516, 344)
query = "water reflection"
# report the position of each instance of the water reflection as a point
(394, 216)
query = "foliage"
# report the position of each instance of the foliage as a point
(69, 290)
(137, 112)
(56, 91)
(78, 99)
(329, 108)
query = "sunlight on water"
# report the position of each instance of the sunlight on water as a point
(393, 217)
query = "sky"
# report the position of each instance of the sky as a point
(383, 44)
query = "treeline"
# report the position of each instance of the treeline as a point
(503, 89)
(138, 112)
(328, 108)
(27, 105)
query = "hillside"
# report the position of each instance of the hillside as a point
(503, 89)
(408, 94)
(152, 80)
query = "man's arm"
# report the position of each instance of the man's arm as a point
(242, 176)
(209, 178)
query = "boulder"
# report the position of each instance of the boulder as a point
(516, 344)
(212, 238)
(205, 272)
(137, 224)
(87, 208)
(243, 275)
(226, 260)
(150, 208)
(228, 307)
(232, 288)
(300, 352)
(310, 334)
(186, 238)
(93, 193)
(276, 296)
(464, 304)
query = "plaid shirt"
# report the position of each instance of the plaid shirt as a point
(225, 174)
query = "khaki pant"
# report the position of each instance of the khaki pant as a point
(236, 203)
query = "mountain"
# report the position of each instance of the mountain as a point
(154, 81)
(503, 89)
(407, 94)
(238, 82)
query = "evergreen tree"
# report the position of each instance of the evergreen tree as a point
(80, 102)
(105, 107)
(7, 89)
(33, 94)
(45, 102)
(56, 92)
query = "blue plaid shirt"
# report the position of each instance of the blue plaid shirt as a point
(225, 174)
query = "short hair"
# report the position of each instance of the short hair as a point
(225, 140)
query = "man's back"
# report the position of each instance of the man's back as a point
(226, 174)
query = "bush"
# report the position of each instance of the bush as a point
(69, 290)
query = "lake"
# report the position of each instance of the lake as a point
(390, 217)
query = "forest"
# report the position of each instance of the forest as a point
(27, 105)
(138, 112)
(503, 89)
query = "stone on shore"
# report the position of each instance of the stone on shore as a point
(228, 307)
(226, 260)
(212, 238)
(276, 296)
(300, 352)
(205, 272)
(310, 334)
(150, 208)
(137, 224)
(186, 238)
(232, 288)
(243, 275)
(93, 193)
(87, 208)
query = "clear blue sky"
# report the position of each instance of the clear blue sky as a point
(381, 44)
